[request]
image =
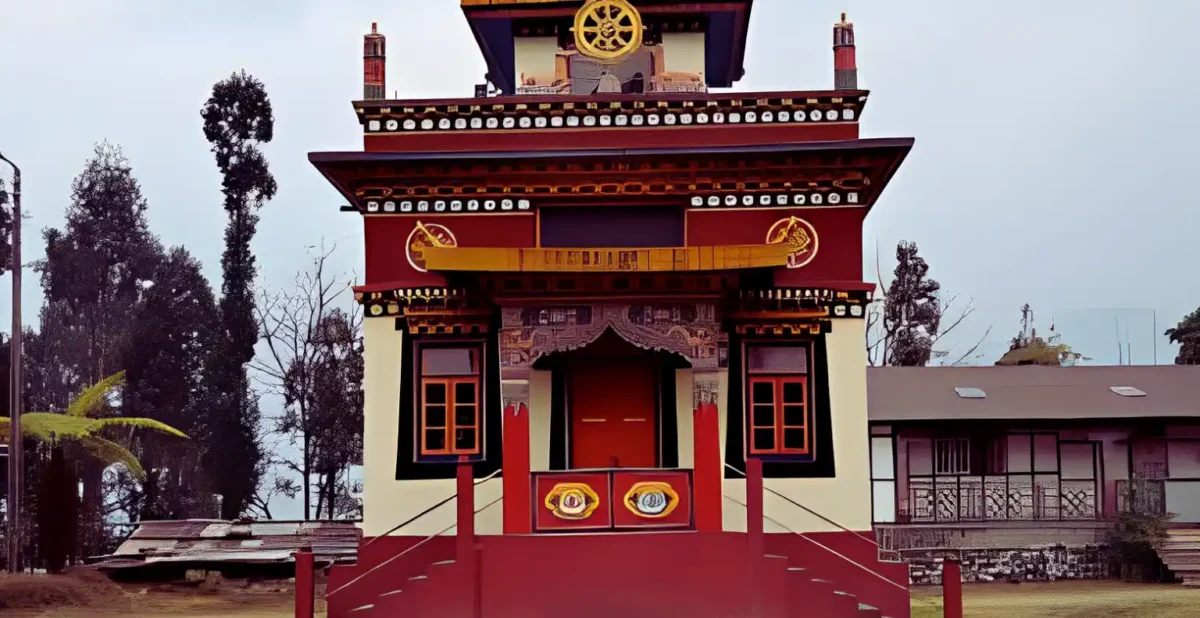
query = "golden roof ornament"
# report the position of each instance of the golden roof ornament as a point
(608, 30)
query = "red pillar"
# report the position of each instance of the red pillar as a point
(465, 556)
(952, 601)
(517, 516)
(754, 535)
(707, 470)
(305, 583)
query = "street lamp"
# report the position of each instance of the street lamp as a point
(15, 384)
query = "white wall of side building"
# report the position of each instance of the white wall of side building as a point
(386, 501)
(845, 498)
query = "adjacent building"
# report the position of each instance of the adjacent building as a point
(1023, 469)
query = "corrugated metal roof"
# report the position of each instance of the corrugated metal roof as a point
(1032, 392)
(209, 542)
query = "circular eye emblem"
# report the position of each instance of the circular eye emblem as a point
(651, 499)
(572, 501)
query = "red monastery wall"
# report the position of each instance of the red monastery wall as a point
(386, 242)
(839, 238)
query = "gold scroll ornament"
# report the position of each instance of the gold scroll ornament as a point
(425, 237)
(799, 236)
(608, 30)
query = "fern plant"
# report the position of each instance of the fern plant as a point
(80, 424)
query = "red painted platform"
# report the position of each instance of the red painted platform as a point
(634, 575)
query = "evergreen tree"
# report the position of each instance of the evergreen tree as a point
(92, 278)
(1187, 335)
(237, 120)
(904, 325)
(174, 335)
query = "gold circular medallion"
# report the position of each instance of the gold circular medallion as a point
(608, 29)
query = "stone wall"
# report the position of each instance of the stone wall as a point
(1028, 564)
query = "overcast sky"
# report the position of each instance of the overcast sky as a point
(1055, 141)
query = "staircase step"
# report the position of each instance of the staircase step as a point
(394, 603)
(846, 604)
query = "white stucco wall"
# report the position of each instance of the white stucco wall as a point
(846, 498)
(539, 421)
(684, 408)
(386, 501)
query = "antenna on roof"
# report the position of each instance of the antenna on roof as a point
(1120, 352)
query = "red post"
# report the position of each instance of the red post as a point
(952, 601)
(707, 473)
(517, 516)
(754, 534)
(465, 557)
(305, 583)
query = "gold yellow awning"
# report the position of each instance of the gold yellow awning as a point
(678, 259)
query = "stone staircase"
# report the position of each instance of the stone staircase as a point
(1181, 554)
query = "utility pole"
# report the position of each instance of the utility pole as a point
(15, 454)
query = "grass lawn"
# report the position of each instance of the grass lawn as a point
(1090, 599)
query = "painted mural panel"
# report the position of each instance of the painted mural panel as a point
(652, 499)
(690, 330)
(573, 501)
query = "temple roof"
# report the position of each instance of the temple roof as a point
(766, 173)
(496, 23)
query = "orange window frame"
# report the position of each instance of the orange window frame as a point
(778, 427)
(450, 425)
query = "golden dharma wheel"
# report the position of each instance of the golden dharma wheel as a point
(608, 29)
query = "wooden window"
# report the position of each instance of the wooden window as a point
(779, 402)
(450, 410)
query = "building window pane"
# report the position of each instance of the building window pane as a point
(450, 361)
(449, 419)
(883, 499)
(777, 359)
(1020, 452)
(1045, 452)
(881, 458)
(952, 457)
(920, 457)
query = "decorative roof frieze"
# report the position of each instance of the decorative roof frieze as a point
(551, 112)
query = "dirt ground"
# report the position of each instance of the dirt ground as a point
(86, 595)
(1102, 599)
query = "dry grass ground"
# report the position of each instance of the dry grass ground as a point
(87, 596)
(1091, 599)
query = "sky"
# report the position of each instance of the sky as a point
(1054, 140)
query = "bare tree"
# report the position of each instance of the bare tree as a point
(314, 362)
(906, 323)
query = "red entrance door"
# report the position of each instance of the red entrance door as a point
(613, 413)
